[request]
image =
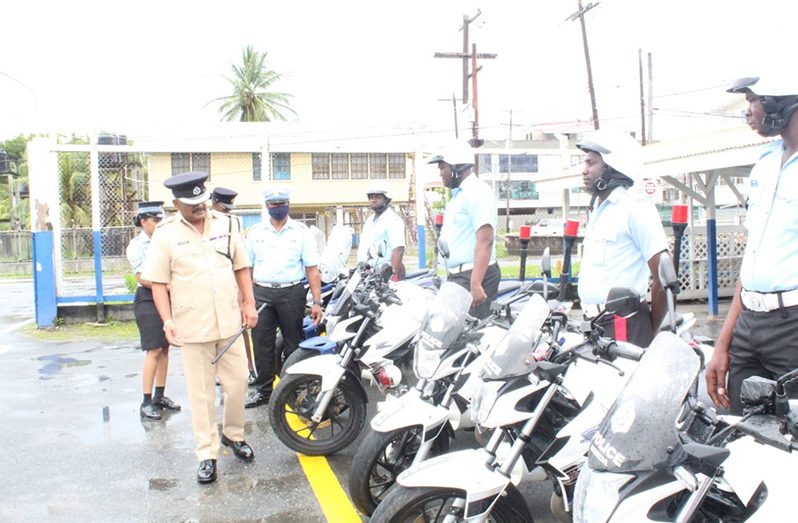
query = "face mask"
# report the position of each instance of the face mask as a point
(279, 212)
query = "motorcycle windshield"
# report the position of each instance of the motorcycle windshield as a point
(346, 296)
(445, 318)
(639, 432)
(512, 356)
(335, 253)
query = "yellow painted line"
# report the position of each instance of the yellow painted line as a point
(332, 498)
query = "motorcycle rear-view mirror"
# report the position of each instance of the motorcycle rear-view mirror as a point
(622, 301)
(443, 248)
(667, 273)
(545, 263)
(385, 271)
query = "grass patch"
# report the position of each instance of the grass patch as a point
(110, 331)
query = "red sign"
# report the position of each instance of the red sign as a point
(650, 186)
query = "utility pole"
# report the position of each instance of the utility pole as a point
(580, 14)
(454, 108)
(642, 99)
(509, 177)
(473, 56)
(650, 100)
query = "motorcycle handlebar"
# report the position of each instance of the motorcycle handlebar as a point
(628, 352)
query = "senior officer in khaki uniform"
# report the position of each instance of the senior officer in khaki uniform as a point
(203, 259)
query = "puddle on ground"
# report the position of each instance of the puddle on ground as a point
(55, 363)
(163, 484)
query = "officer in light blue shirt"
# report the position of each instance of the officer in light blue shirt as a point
(760, 334)
(383, 229)
(469, 226)
(282, 252)
(624, 238)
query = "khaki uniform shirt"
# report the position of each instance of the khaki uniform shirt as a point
(200, 269)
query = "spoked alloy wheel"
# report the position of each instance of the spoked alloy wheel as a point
(293, 403)
(382, 456)
(434, 505)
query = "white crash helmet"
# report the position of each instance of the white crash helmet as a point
(778, 96)
(617, 149)
(379, 188)
(458, 155)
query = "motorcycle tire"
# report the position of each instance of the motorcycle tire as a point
(433, 505)
(292, 404)
(295, 357)
(373, 471)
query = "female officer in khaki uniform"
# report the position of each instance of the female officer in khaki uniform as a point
(202, 257)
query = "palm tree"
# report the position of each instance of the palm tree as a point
(252, 100)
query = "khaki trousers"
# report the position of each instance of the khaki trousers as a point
(201, 385)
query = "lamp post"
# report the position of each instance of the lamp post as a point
(679, 223)
(523, 237)
(569, 237)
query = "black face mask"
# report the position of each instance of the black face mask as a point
(278, 212)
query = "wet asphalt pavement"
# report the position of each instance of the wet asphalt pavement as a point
(78, 451)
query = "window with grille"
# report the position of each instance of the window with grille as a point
(185, 162)
(396, 166)
(339, 166)
(378, 166)
(360, 166)
(281, 166)
(256, 167)
(321, 166)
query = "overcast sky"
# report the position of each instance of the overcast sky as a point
(136, 67)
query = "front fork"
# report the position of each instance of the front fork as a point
(324, 398)
(512, 457)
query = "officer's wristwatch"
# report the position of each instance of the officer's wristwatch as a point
(317, 302)
(168, 322)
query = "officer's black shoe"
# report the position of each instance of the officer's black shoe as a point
(241, 449)
(258, 399)
(166, 403)
(150, 411)
(207, 471)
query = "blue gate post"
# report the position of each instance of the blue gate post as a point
(422, 247)
(44, 279)
(98, 268)
(712, 267)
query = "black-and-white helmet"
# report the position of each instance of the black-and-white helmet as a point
(618, 150)
(459, 156)
(779, 99)
(379, 188)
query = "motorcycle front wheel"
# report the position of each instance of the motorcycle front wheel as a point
(292, 404)
(382, 456)
(434, 505)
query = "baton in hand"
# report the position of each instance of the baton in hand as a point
(234, 338)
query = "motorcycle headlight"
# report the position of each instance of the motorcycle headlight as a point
(597, 494)
(426, 362)
(484, 398)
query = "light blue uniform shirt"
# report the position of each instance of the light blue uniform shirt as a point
(137, 252)
(473, 205)
(386, 230)
(770, 262)
(623, 233)
(280, 257)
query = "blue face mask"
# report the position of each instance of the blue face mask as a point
(278, 212)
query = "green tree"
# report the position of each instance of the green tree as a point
(15, 148)
(74, 185)
(253, 99)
